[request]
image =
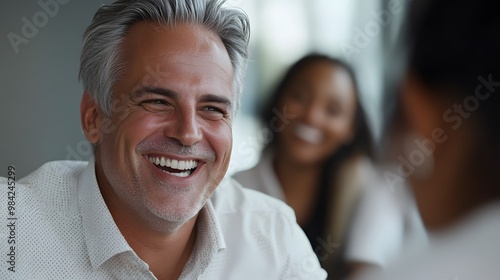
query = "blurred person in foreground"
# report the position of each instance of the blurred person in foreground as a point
(162, 80)
(319, 160)
(450, 96)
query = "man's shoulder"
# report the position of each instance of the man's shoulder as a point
(261, 232)
(54, 170)
(247, 177)
(231, 198)
(53, 184)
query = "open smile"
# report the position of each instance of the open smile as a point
(179, 168)
(308, 133)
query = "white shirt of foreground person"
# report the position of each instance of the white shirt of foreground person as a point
(468, 250)
(63, 230)
(385, 224)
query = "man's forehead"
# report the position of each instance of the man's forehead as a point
(184, 46)
(180, 38)
(184, 59)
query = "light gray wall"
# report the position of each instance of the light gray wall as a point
(39, 88)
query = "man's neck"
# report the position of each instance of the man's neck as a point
(166, 253)
(165, 246)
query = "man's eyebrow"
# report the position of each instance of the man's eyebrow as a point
(155, 90)
(216, 99)
(173, 94)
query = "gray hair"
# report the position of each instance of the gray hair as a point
(100, 64)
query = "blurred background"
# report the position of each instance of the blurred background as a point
(39, 57)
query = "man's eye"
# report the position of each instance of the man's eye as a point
(156, 102)
(156, 105)
(214, 113)
(214, 109)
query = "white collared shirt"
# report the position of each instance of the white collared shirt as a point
(262, 177)
(469, 249)
(367, 240)
(63, 230)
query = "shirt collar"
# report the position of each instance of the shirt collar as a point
(209, 225)
(209, 241)
(102, 237)
(104, 240)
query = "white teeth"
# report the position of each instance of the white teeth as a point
(308, 133)
(174, 164)
(180, 174)
(182, 165)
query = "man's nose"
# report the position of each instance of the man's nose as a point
(185, 128)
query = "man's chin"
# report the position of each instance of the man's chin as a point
(171, 218)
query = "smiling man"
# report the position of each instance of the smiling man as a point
(162, 80)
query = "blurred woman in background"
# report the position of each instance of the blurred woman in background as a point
(451, 99)
(320, 154)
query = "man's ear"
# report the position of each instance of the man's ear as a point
(423, 110)
(91, 118)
